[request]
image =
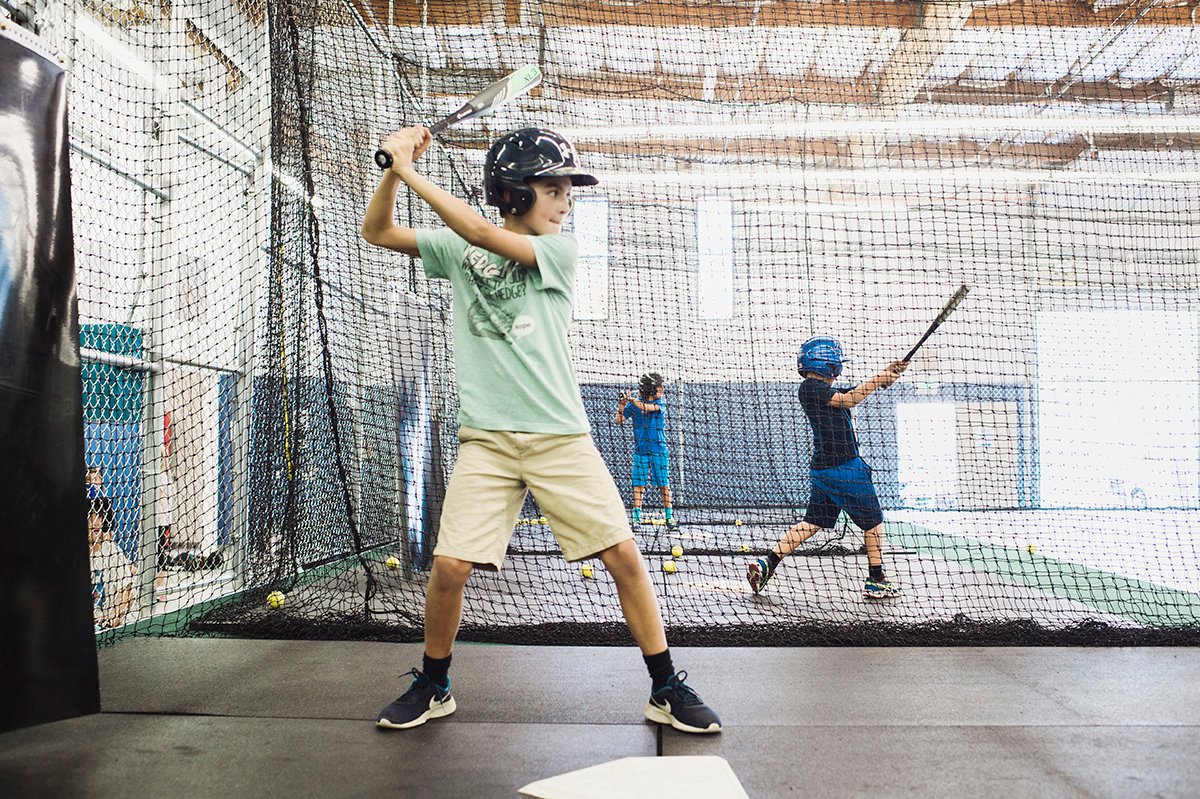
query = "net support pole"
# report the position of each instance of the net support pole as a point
(255, 253)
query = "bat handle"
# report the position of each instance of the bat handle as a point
(383, 159)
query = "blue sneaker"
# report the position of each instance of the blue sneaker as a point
(424, 700)
(880, 589)
(678, 705)
(758, 573)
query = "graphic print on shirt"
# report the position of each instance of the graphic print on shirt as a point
(500, 297)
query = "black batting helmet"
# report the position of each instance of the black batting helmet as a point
(650, 383)
(518, 157)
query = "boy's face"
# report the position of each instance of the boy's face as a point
(551, 204)
(95, 527)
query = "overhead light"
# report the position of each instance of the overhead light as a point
(85, 24)
(801, 128)
(959, 177)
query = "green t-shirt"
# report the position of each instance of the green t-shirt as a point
(510, 333)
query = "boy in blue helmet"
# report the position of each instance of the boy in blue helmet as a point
(840, 479)
(650, 461)
(522, 426)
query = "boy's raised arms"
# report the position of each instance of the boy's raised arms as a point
(379, 227)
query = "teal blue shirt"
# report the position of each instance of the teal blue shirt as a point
(511, 357)
(649, 434)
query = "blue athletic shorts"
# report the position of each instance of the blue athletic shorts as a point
(650, 469)
(845, 487)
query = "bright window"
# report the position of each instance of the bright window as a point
(590, 220)
(1118, 408)
(714, 267)
(927, 454)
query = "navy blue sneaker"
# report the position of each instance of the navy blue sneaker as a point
(880, 589)
(678, 705)
(424, 700)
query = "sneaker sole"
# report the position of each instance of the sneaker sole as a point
(658, 716)
(443, 709)
(880, 596)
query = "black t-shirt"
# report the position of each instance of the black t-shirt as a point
(833, 433)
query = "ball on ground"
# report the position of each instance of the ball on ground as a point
(1032, 548)
(658, 521)
(737, 522)
(669, 566)
(541, 520)
(392, 562)
(677, 551)
(587, 571)
(743, 548)
(275, 599)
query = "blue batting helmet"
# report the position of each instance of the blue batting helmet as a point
(821, 355)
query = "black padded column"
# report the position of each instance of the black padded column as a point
(47, 642)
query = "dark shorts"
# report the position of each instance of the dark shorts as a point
(845, 487)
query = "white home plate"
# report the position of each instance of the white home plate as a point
(704, 777)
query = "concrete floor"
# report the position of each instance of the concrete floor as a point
(231, 718)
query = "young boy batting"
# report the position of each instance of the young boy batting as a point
(522, 425)
(840, 479)
(650, 462)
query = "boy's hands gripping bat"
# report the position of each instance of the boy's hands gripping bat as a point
(949, 309)
(491, 98)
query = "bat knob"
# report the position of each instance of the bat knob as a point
(383, 159)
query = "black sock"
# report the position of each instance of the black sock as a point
(660, 668)
(877, 573)
(773, 560)
(437, 669)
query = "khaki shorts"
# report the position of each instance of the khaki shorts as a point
(495, 469)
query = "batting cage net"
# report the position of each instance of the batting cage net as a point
(271, 402)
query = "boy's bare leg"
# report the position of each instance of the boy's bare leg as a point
(666, 496)
(638, 600)
(795, 537)
(873, 538)
(671, 701)
(637, 495)
(443, 604)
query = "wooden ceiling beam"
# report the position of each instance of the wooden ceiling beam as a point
(1076, 14)
(754, 89)
(902, 14)
(780, 13)
(765, 88)
(1031, 92)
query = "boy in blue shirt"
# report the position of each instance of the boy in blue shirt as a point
(840, 479)
(650, 461)
(522, 424)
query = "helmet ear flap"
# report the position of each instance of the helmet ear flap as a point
(516, 201)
